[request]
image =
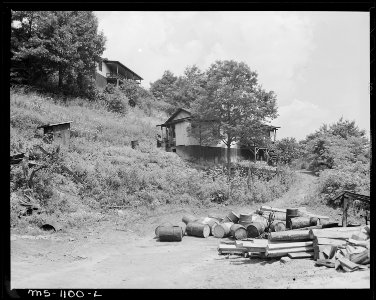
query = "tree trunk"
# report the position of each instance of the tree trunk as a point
(60, 76)
(228, 161)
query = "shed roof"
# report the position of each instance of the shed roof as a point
(54, 124)
(120, 64)
(171, 118)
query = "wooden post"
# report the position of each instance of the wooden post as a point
(345, 207)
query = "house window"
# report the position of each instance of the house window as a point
(100, 66)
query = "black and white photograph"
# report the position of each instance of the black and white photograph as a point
(189, 150)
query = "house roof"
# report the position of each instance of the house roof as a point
(171, 118)
(54, 124)
(120, 64)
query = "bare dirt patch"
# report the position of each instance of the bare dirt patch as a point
(116, 254)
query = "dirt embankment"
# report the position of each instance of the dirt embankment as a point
(116, 256)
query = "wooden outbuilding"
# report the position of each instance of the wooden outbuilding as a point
(60, 132)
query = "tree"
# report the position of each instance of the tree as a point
(162, 89)
(62, 42)
(232, 106)
(287, 150)
(334, 145)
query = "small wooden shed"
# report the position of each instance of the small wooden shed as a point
(60, 131)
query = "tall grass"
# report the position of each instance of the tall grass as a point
(101, 156)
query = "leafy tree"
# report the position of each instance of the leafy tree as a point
(287, 150)
(62, 42)
(334, 145)
(232, 106)
(162, 89)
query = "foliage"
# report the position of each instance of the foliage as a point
(179, 91)
(287, 150)
(115, 99)
(65, 44)
(113, 173)
(340, 153)
(232, 105)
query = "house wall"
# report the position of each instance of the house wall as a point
(182, 137)
(105, 69)
(100, 81)
(212, 155)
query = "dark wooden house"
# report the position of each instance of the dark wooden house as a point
(114, 72)
(174, 137)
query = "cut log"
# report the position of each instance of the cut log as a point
(290, 235)
(300, 222)
(284, 252)
(334, 233)
(278, 226)
(300, 255)
(276, 246)
(269, 208)
(256, 254)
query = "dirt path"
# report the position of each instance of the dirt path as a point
(106, 257)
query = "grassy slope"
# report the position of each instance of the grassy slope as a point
(101, 155)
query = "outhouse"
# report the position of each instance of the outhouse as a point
(60, 132)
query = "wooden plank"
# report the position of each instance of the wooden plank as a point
(226, 252)
(325, 262)
(360, 243)
(294, 255)
(262, 243)
(289, 245)
(284, 252)
(360, 258)
(327, 241)
(348, 264)
(225, 247)
(330, 251)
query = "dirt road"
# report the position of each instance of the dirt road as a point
(111, 256)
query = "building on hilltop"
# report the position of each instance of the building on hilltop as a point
(114, 72)
(174, 137)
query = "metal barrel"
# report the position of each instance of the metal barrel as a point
(291, 213)
(245, 218)
(198, 229)
(183, 227)
(222, 230)
(167, 224)
(170, 234)
(233, 217)
(189, 218)
(255, 229)
(238, 231)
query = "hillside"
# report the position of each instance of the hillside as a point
(108, 171)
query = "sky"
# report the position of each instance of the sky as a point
(317, 63)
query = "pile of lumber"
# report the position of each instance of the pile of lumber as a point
(346, 248)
